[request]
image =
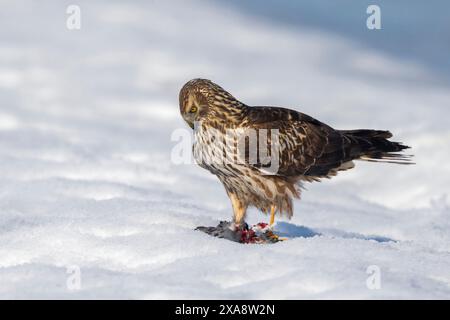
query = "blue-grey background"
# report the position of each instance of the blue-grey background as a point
(411, 30)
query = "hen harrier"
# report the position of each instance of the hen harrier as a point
(307, 149)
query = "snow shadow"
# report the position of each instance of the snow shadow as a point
(285, 229)
(289, 230)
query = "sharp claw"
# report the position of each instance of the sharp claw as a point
(274, 236)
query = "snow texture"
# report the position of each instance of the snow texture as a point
(86, 179)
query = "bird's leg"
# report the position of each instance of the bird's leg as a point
(270, 233)
(272, 215)
(240, 228)
(239, 211)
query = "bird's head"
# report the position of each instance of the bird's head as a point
(201, 97)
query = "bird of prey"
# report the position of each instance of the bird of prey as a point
(307, 149)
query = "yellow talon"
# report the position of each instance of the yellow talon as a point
(270, 233)
(273, 236)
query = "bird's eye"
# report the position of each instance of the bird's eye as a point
(193, 109)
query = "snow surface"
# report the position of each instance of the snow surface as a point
(86, 178)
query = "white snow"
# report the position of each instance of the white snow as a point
(86, 178)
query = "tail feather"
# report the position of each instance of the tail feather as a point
(374, 146)
(364, 133)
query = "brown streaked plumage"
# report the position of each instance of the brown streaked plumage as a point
(308, 149)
